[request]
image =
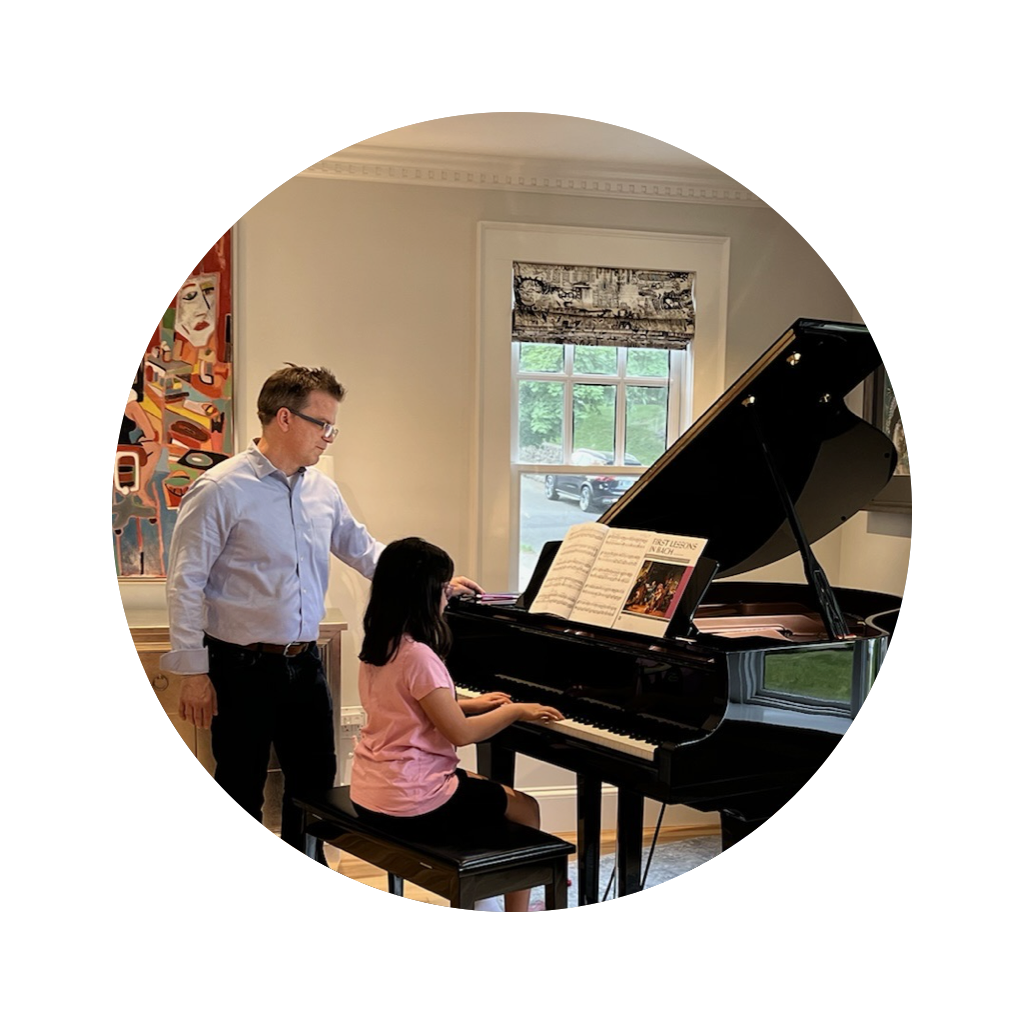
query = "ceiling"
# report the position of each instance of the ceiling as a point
(531, 152)
(537, 137)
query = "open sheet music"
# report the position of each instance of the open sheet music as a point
(623, 579)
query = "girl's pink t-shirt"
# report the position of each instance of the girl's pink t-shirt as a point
(402, 764)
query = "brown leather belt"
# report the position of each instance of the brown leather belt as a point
(291, 650)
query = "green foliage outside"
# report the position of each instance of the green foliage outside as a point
(541, 404)
(541, 358)
(824, 675)
(640, 362)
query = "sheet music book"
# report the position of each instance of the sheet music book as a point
(623, 579)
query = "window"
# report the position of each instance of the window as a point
(581, 412)
(583, 397)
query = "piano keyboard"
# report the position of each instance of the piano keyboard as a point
(589, 733)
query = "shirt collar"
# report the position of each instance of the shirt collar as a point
(262, 466)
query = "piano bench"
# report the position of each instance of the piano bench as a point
(500, 860)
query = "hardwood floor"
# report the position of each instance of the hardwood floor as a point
(367, 874)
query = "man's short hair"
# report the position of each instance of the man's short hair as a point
(291, 387)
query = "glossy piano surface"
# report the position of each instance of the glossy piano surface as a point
(706, 712)
(714, 482)
(742, 702)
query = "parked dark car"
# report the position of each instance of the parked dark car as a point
(594, 493)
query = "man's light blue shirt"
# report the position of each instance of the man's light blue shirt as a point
(250, 557)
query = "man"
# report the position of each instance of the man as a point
(246, 585)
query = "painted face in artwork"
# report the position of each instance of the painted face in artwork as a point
(195, 314)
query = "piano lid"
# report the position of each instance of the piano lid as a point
(715, 482)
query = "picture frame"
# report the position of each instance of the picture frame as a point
(179, 416)
(882, 411)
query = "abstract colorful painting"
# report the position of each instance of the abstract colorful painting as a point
(177, 419)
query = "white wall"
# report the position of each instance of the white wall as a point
(377, 281)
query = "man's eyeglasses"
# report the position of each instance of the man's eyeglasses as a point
(330, 431)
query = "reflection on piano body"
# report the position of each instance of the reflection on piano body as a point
(755, 682)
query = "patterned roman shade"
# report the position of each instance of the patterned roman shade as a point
(562, 305)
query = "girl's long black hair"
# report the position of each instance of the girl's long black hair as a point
(405, 599)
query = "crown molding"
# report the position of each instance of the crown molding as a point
(384, 165)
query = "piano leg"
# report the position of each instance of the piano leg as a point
(588, 839)
(629, 842)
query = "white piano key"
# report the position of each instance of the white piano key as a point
(588, 733)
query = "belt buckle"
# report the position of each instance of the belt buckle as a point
(294, 643)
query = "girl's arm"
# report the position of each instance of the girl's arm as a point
(452, 723)
(485, 702)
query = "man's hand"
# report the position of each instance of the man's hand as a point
(198, 701)
(465, 587)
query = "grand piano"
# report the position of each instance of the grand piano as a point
(754, 682)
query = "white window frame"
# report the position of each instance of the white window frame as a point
(495, 544)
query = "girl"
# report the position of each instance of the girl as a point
(405, 771)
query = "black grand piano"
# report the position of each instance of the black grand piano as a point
(754, 683)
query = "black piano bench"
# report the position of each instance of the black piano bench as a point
(504, 859)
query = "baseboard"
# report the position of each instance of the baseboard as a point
(558, 810)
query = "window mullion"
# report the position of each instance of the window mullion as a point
(620, 423)
(568, 365)
(567, 420)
